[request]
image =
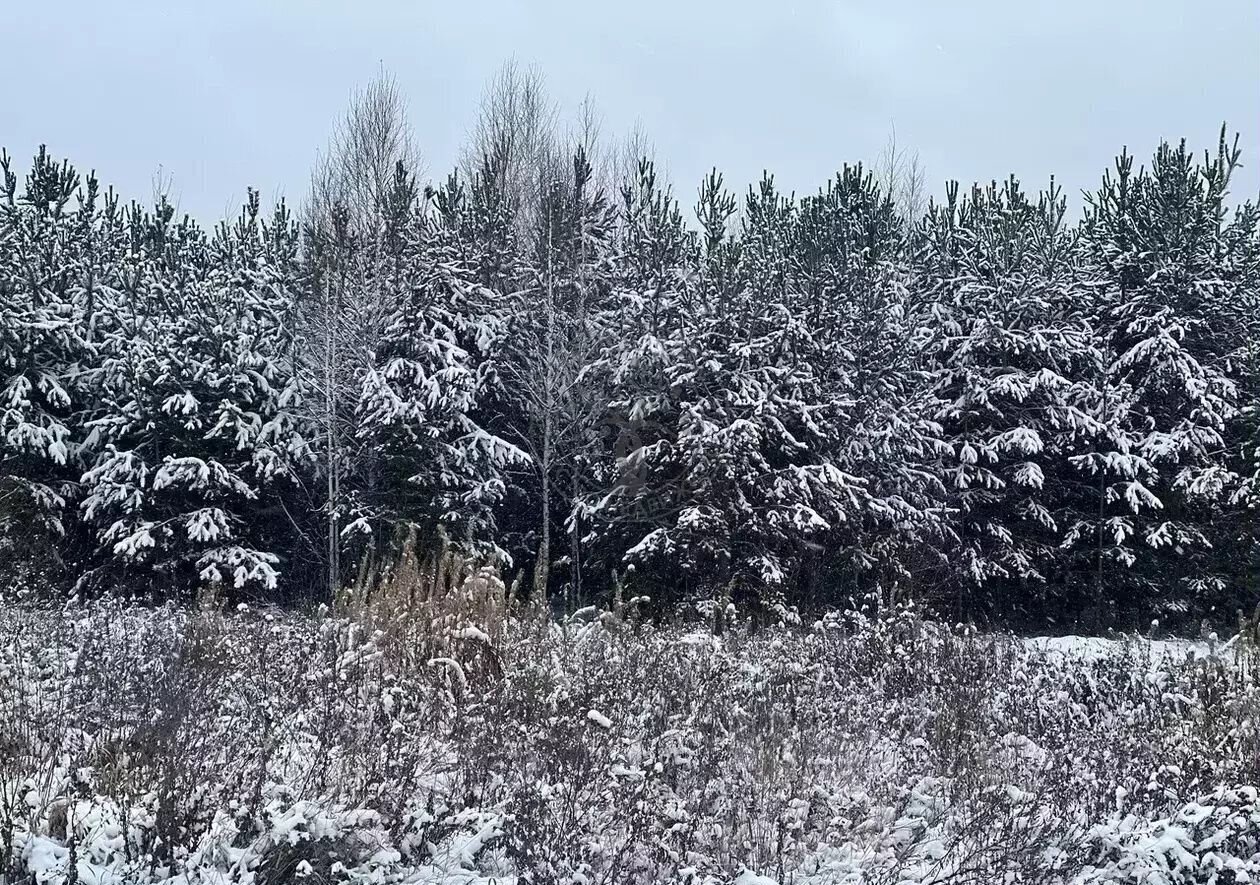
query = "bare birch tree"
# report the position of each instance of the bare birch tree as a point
(901, 174)
(518, 123)
(348, 302)
(555, 340)
(357, 169)
(633, 147)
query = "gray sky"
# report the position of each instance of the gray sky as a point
(227, 93)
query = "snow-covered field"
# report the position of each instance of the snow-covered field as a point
(1092, 648)
(161, 745)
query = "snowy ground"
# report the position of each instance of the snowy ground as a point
(259, 747)
(1092, 648)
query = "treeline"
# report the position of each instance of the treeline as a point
(787, 401)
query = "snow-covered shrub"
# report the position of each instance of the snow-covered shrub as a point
(1214, 839)
(261, 746)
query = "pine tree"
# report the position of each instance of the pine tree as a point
(1015, 360)
(1239, 538)
(189, 419)
(438, 466)
(48, 281)
(634, 473)
(1154, 245)
(868, 334)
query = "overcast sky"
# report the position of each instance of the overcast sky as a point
(219, 95)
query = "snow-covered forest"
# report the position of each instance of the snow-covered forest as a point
(550, 521)
(1004, 402)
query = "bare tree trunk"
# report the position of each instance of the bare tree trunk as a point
(542, 567)
(1102, 509)
(575, 547)
(330, 425)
